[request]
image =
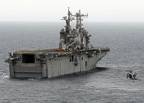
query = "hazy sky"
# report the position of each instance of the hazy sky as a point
(53, 10)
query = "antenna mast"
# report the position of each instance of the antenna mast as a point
(79, 19)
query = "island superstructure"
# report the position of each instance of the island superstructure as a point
(74, 55)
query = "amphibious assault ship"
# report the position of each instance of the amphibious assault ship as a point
(75, 54)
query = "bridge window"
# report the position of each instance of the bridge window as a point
(28, 58)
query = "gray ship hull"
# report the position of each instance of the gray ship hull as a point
(54, 66)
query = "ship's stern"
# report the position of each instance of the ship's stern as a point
(26, 65)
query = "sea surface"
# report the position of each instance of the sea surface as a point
(107, 84)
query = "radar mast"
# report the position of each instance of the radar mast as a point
(76, 37)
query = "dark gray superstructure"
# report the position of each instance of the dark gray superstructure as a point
(75, 54)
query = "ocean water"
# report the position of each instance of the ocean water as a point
(107, 84)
